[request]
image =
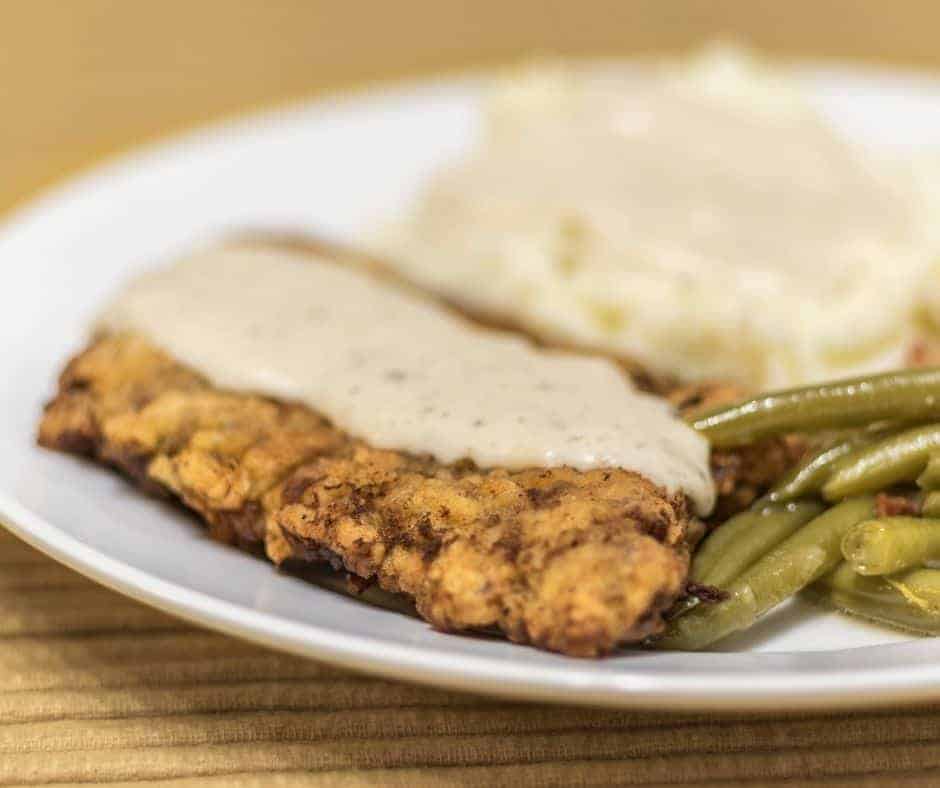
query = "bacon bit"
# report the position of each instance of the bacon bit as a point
(708, 595)
(923, 353)
(887, 505)
(917, 353)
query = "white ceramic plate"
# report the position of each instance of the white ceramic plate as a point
(332, 168)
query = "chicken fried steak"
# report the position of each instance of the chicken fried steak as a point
(572, 561)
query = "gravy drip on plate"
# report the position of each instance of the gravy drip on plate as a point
(403, 373)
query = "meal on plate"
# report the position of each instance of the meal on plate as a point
(496, 483)
(540, 405)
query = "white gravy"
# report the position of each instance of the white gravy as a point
(401, 372)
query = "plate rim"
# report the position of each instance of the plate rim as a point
(480, 675)
(913, 681)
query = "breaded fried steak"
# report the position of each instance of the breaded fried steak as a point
(572, 561)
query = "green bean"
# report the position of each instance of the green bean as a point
(794, 564)
(907, 395)
(682, 607)
(930, 478)
(890, 544)
(809, 476)
(898, 458)
(874, 599)
(921, 588)
(931, 505)
(903, 617)
(715, 544)
(737, 544)
(875, 589)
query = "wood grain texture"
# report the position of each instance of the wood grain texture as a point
(130, 695)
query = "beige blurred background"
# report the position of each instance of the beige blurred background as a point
(82, 78)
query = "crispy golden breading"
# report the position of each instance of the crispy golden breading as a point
(127, 404)
(575, 562)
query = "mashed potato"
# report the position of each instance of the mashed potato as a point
(698, 218)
